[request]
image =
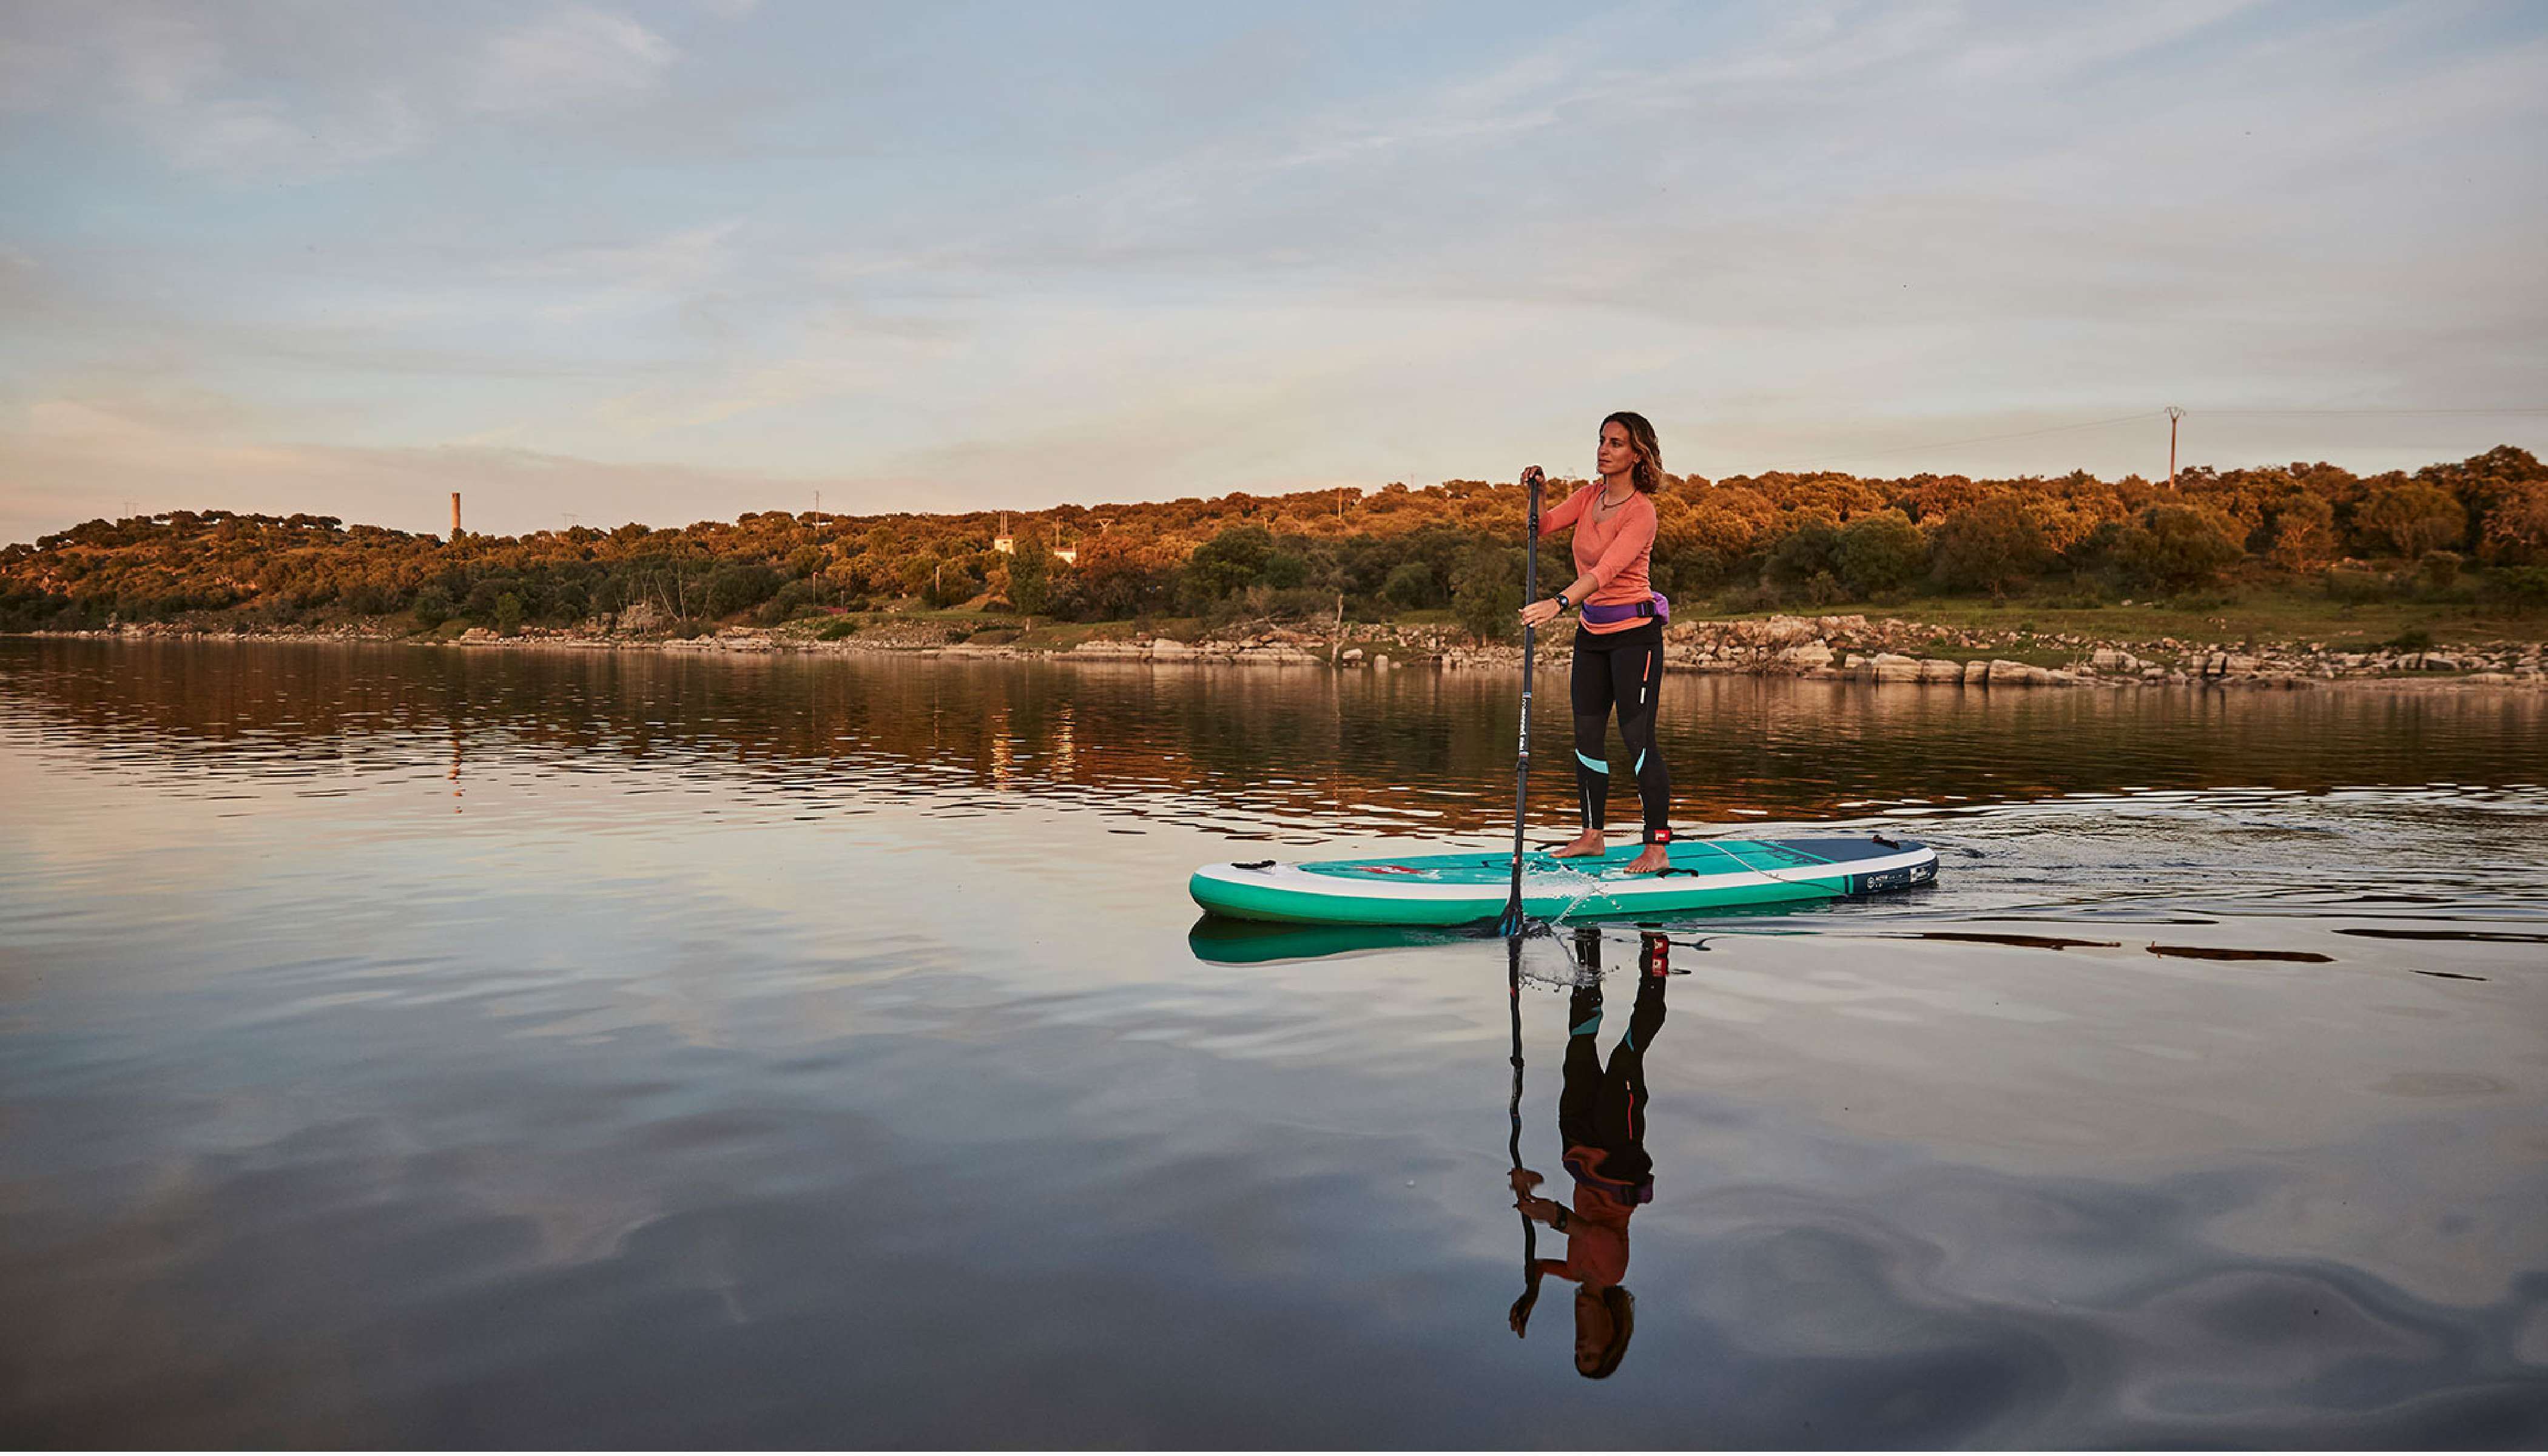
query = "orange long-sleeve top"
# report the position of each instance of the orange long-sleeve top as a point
(1611, 548)
(1597, 1237)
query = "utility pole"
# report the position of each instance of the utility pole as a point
(2173, 415)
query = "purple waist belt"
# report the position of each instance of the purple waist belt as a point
(1656, 605)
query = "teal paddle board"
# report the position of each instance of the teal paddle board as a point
(1462, 889)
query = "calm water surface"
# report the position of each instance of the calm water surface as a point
(408, 1046)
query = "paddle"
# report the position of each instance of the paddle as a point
(1511, 923)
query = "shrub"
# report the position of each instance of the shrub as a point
(432, 607)
(2178, 546)
(1988, 546)
(2354, 585)
(508, 614)
(2412, 518)
(1486, 592)
(739, 588)
(1227, 564)
(1880, 553)
(1801, 554)
(1411, 585)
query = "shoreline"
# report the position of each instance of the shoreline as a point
(1846, 649)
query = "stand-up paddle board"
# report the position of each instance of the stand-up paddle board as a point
(1462, 889)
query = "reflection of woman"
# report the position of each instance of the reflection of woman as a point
(1619, 646)
(1601, 1118)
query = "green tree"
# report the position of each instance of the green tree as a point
(1229, 564)
(2178, 546)
(509, 614)
(1030, 571)
(1989, 546)
(1411, 584)
(1486, 591)
(2412, 518)
(1801, 554)
(1879, 553)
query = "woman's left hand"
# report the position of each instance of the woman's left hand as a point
(1540, 613)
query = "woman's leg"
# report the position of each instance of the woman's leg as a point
(1636, 682)
(1591, 690)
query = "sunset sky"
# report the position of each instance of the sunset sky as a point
(670, 262)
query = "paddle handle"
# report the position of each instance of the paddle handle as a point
(1513, 920)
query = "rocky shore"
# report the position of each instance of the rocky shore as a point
(1824, 648)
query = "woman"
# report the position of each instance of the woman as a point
(1619, 646)
(1601, 1119)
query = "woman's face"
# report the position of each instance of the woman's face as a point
(1615, 456)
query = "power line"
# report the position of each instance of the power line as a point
(2517, 410)
(2021, 434)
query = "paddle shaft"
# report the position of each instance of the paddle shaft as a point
(1511, 923)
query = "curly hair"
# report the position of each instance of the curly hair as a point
(1648, 475)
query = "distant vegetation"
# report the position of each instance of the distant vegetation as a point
(2476, 529)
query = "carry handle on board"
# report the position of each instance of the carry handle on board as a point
(1511, 923)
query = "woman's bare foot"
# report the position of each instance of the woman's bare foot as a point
(1656, 857)
(1587, 843)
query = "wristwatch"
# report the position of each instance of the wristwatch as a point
(1565, 604)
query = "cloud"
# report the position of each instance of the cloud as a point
(575, 58)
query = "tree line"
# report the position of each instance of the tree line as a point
(1806, 540)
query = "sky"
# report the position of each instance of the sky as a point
(671, 262)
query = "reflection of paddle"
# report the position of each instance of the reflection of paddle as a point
(1511, 923)
(1520, 1316)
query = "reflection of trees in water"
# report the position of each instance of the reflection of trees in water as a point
(1414, 748)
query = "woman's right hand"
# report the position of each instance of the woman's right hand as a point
(1540, 613)
(1533, 475)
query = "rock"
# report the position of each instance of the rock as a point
(2435, 662)
(1889, 666)
(1852, 661)
(1380, 663)
(1352, 655)
(1976, 673)
(1095, 647)
(1170, 649)
(2006, 673)
(2113, 660)
(1940, 670)
(1814, 654)
(2237, 662)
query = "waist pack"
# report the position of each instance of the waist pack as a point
(1656, 604)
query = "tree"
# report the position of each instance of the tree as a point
(1229, 564)
(2303, 533)
(2178, 546)
(2516, 531)
(2412, 518)
(1486, 591)
(1880, 553)
(1411, 584)
(1031, 571)
(1988, 546)
(1803, 554)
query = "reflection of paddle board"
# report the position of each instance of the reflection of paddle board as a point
(1461, 890)
(1221, 941)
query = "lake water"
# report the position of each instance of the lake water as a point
(413, 1046)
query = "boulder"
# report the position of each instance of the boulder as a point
(1814, 654)
(1171, 649)
(1892, 666)
(2006, 673)
(1940, 670)
(1976, 673)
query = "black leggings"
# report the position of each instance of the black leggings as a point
(1626, 669)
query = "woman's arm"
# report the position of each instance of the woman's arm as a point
(1565, 512)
